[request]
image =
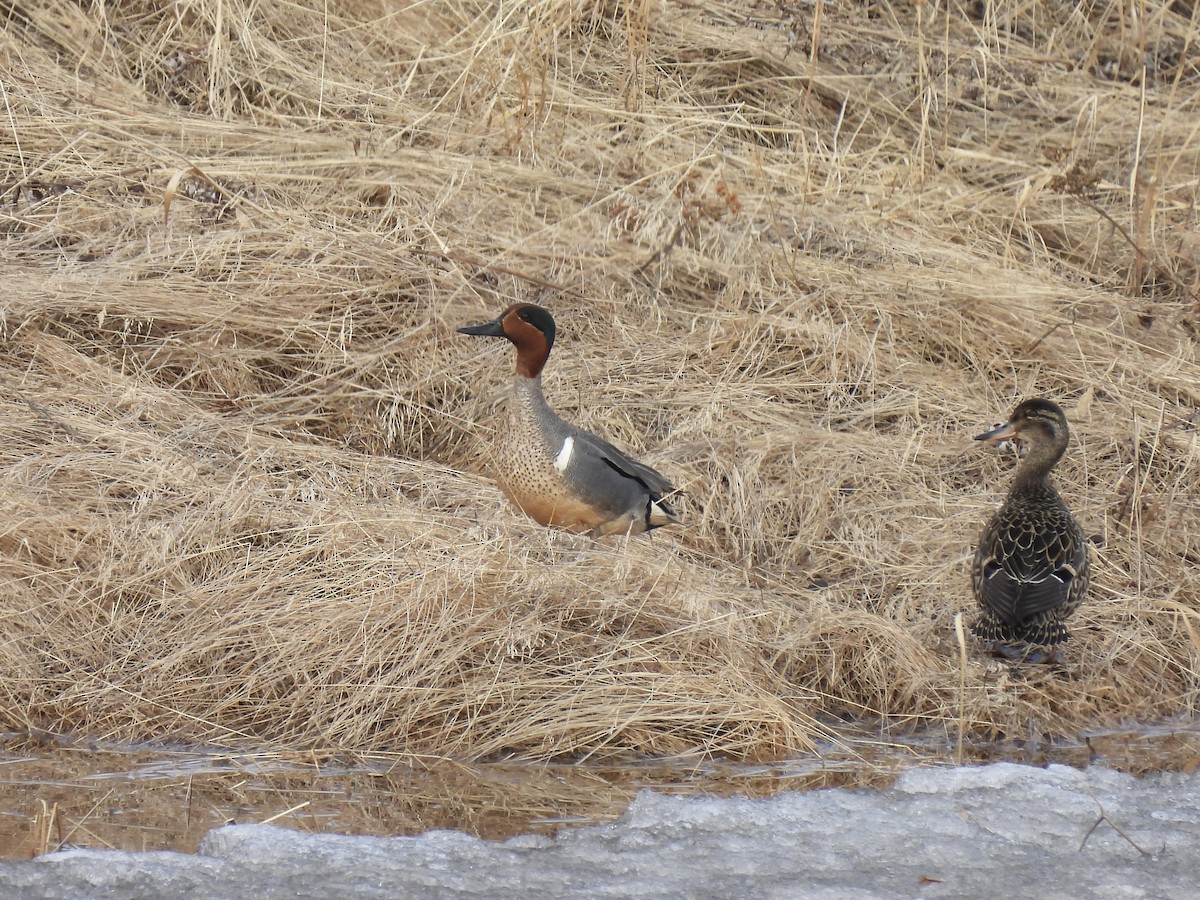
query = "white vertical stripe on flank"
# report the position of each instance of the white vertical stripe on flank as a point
(564, 455)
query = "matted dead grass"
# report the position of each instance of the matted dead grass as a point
(799, 254)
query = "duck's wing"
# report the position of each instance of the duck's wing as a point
(651, 479)
(1028, 564)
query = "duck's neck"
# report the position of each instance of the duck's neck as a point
(534, 416)
(531, 361)
(1035, 470)
(529, 396)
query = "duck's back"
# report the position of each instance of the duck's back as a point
(1031, 568)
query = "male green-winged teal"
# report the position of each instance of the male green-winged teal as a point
(1031, 569)
(554, 472)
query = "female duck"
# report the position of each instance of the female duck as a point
(554, 472)
(1031, 569)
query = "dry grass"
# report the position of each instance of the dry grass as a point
(799, 254)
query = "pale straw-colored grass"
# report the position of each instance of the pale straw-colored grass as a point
(798, 255)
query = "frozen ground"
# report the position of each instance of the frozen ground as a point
(997, 830)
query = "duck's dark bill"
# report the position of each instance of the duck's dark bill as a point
(1000, 433)
(487, 329)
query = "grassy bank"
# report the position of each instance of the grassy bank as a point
(799, 254)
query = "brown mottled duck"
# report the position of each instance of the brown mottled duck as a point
(1031, 569)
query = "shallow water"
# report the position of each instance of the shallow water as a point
(56, 793)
